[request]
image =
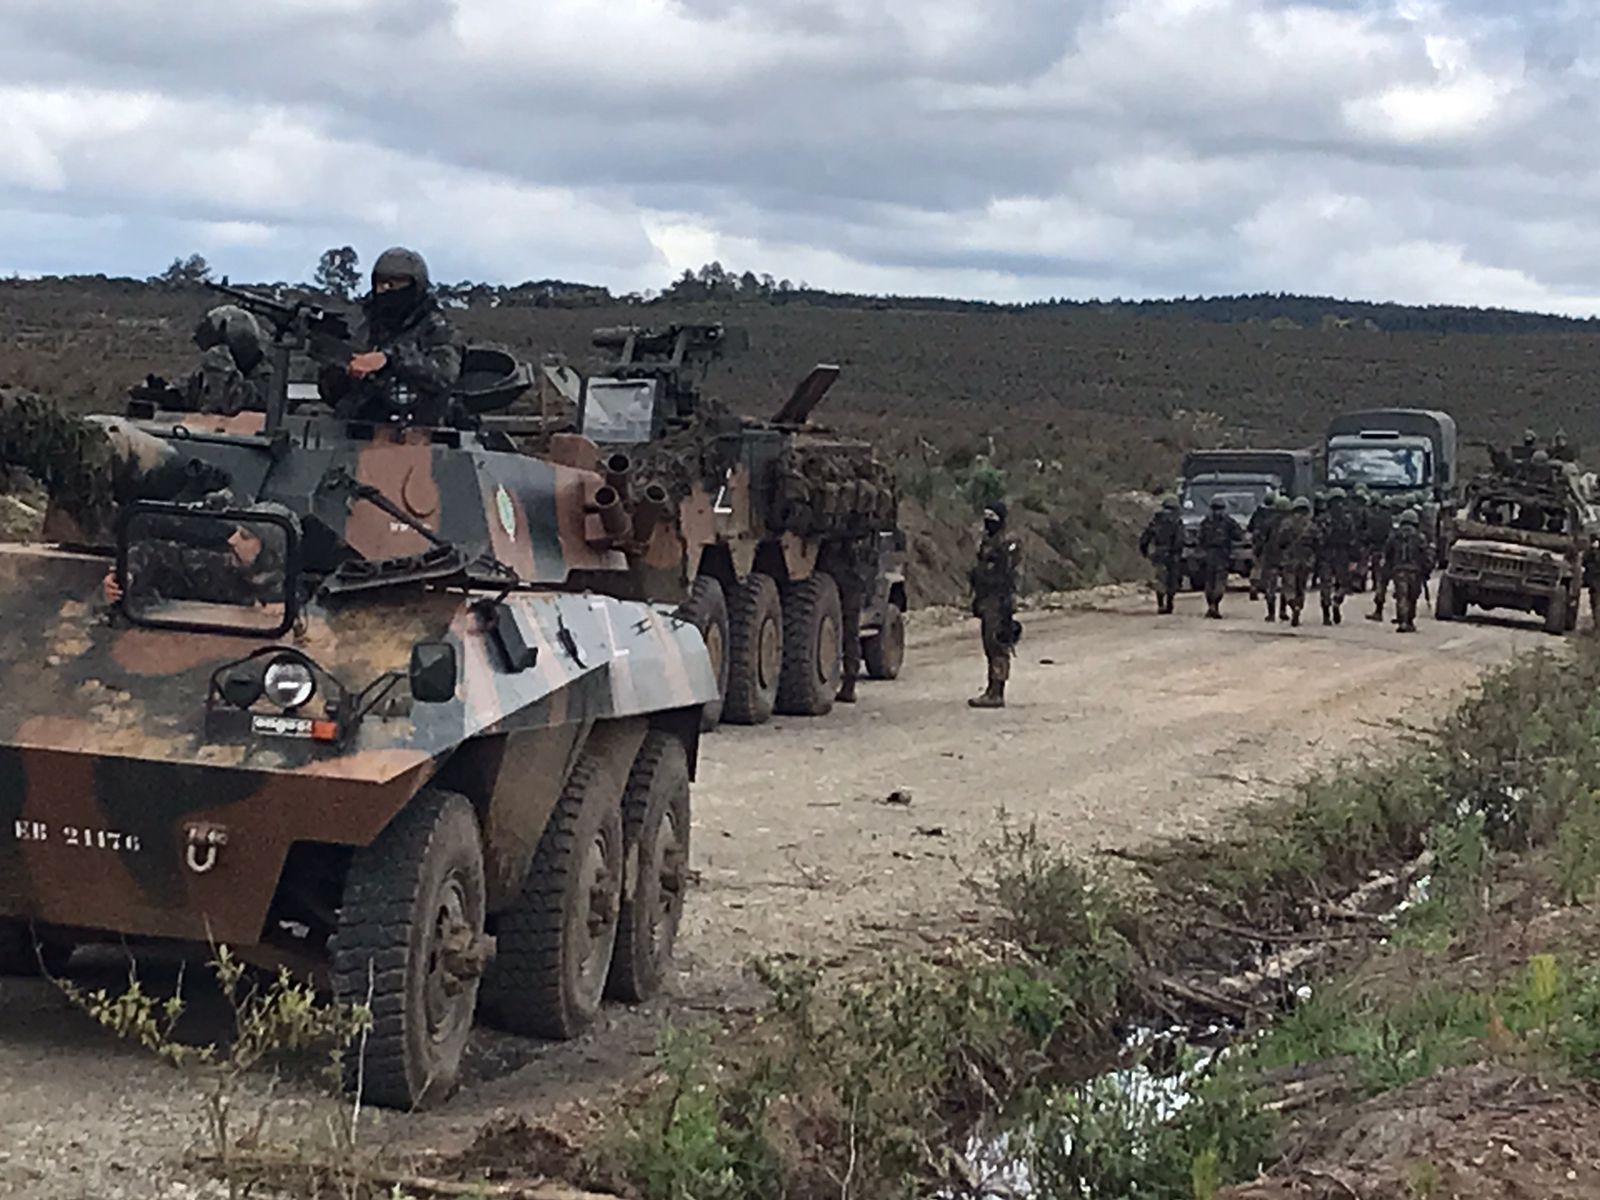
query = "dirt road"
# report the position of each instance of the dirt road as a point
(1122, 727)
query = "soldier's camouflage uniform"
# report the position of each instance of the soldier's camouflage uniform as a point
(1407, 561)
(1260, 529)
(1294, 547)
(1335, 543)
(1269, 561)
(1591, 580)
(1162, 543)
(1380, 524)
(235, 372)
(854, 567)
(171, 569)
(1219, 534)
(994, 582)
(417, 339)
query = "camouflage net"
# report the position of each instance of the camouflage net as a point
(833, 490)
(74, 460)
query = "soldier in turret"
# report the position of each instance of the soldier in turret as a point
(1530, 444)
(1219, 534)
(1591, 579)
(1561, 449)
(1162, 543)
(409, 360)
(1407, 561)
(994, 581)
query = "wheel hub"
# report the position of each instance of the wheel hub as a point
(598, 896)
(769, 653)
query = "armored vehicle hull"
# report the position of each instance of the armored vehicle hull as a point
(359, 714)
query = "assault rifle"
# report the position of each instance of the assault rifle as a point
(298, 324)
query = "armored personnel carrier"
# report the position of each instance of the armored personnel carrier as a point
(755, 527)
(341, 695)
(1518, 542)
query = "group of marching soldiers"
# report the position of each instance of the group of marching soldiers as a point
(1334, 544)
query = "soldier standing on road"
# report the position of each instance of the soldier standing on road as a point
(410, 361)
(1591, 579)
(1294, 549)
(1260, 528)
(854, 569)
(1219, 534)
(1407, 561)
(994, 602)
(1380, 525)
(1334, 537)
(1162, 543)
(1269, 555)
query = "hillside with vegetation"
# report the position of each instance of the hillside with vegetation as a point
(1068, 408)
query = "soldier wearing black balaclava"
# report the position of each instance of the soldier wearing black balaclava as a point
(409, 360)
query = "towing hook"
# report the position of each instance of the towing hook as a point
(201, 859)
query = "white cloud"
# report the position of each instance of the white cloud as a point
(1004, 148)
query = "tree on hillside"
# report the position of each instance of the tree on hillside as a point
(185, 272)
(339, 272)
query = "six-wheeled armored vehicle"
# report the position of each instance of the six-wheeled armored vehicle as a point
(762, 530)
(344, 695)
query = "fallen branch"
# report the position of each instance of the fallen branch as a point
(278, 1166)
(1202, 997)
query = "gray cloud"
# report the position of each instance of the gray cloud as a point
(1430, 150)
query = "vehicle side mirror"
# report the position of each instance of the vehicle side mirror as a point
(433, 672)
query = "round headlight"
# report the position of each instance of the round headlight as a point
(288, 683)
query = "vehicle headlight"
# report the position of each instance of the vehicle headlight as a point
(288, 683)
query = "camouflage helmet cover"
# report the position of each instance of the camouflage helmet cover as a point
(1301, 504)
(231, 326)
(1541, 456)
(397, 262)
(1337, 493)
(1169, 501)
(1217, 502)
(1284, 504)
(1411, 517)
(1529, 436)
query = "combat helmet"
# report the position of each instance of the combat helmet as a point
(398, 262)
(1411, 517)
(1284, 504)
(1301, 504)
(1169, 502)
(1218, 504)
(1337, 493)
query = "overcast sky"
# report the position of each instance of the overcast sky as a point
(1418, 150)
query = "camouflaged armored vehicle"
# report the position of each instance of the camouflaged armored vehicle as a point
(751, 525)
(1518, 542)
(341, 695)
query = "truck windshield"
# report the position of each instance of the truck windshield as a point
(1241, 501)
(1378, 466)
(619, 412)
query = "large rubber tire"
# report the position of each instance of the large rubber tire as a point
(1555, 613)
(409, 943)
(707, 609)
(885, 654)
(1447, 605)
(655, 833)
(555, 943)
(812, 620)
(755, 651)
(22, 957)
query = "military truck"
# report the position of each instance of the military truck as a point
(1242, 479)
(339, 694)
(751, 525)
(1405, 457)
(1518, 542)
